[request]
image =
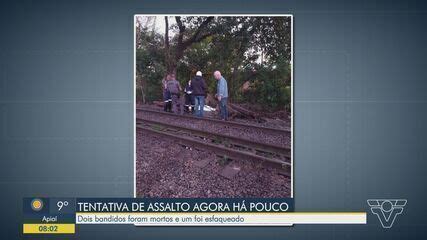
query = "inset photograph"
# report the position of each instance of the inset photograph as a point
(213, 106)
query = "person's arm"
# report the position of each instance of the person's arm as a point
(225, 88)
(221, 88)
(217, 90)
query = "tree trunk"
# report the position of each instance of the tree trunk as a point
(182, 45)
(168, 59)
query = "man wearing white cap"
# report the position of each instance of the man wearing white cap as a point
(199, 92)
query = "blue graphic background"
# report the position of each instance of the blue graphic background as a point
(66, 110)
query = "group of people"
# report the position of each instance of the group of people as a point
(195, 94)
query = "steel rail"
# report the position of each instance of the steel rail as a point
(218, 149)
(229, 123)
(263, 147)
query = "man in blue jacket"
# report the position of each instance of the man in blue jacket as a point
(222, 94)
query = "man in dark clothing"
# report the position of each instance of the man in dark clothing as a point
(175, 90)
(189, 98)
(199, 92)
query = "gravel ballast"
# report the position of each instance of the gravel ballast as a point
(167, 169)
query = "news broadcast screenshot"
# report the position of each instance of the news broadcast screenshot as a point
(213, 119)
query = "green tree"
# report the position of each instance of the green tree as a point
(255, 51)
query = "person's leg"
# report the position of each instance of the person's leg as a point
(220, 110)
(181, 104)
(192, 103)
(174, 103)
(202, 105)
(165, 101)
(196, 105)
(186, 102)
(225, 109)
(169, 105)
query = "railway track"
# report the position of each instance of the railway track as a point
(223, 145)
(228, 123)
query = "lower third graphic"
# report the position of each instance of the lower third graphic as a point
(387, 210)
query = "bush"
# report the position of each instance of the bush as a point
(269, 88)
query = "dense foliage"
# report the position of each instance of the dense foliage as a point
(253, 54)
